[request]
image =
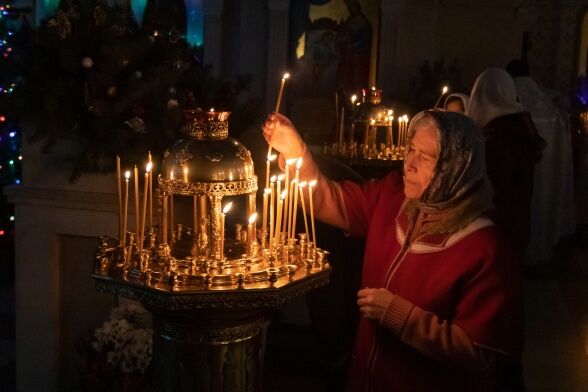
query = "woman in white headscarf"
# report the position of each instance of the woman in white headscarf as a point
(457, 102)
(513, 146)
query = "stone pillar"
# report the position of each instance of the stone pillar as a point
(389, 20)
(277, 51)
(213, 29)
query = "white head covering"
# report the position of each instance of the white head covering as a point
(494, 95)
(464, 98)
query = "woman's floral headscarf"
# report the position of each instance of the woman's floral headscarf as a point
(461, 164)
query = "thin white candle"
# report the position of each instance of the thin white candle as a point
(124, 233)
(296, 180)
(118, 186)
(137, 213)
(288, 201)
(301, 190)
(150, 171)
(144, 213)
(278, 102)
(272, 208)
(278, 228)
(226, 209)
(251, 233)
(311, 185)
(270, 158)
(266, 193)
(279, 218)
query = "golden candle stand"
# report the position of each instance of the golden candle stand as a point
(208, 295)
(373, 144)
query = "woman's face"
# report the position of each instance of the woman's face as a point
(455, 106)
(419, 162)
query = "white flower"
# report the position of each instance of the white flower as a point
(126, 339)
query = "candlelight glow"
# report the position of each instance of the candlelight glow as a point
(272, 157)
(302, 184)
(444, 90)
(312, 183)
(267, 191)
(253, 218)
(353, 99)
(283, 195)
(291, 161)
(149, 166)
(273, 179)
(211, 110)
(298, 163)
(227, 207)
(281, 177)
(286, 76)
(390, 112)
(128, 174)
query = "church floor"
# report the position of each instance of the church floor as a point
(556, 317)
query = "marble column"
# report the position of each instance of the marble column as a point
(213, 28)
(389, 21)
(277, 50)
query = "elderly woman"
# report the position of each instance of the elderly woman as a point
(439, 288)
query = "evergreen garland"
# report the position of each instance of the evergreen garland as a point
(96, 77)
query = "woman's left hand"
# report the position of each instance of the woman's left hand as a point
(373, 302)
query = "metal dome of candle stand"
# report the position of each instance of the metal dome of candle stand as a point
(208, 294)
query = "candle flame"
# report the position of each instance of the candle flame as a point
(312, 183)
(445, 89)
(283, 195)
(149, 166)
(171, 174)
(128, 174)
(271, 157)
(390, 112)
(267, 191)
(227, 207)
(353, 99)
(299, 163)
(211, 110)
(253, 218)
(286, 76)
(302, 184)
(281, 177)
(372, 121)
(291, 161)
(273, 179)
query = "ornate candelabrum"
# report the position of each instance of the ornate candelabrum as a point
(373, 140)
(208, 290)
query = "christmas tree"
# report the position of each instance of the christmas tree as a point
(11, 20)
(118, 88)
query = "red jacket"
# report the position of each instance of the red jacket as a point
(456, 297)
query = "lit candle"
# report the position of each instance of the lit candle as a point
(278, 228)
(185, 174)
(289, 162)
(291, 197)
(279, 218)
(124, 233)
(443, 92)
(118, 185)
(171, 174)
(144, 214)
(311, 185)
(266, 193)
(353, 99)
(301, 190)
(278, 102)
(251, 233)
(137, 213)
(272, 208)
(226, 209)
(295, 190)
(150, 171)
(270, 158)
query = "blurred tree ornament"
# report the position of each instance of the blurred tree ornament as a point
(87, 62)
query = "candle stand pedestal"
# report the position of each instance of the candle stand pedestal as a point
(211, 340)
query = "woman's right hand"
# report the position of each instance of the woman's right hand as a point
(281, 134)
